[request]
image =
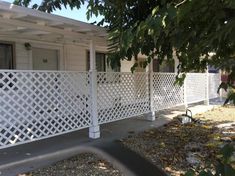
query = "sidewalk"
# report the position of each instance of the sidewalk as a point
(30, 156)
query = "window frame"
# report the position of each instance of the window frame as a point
(12, 44)
(88, 59)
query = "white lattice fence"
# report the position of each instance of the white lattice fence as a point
(165, 93)
(122, 95)
(35, 105)
(196, 85)
(214, 82)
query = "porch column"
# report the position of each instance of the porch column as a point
(94, 130)
(206, 102)
(151, 115)
(221, 90)
(176, 63)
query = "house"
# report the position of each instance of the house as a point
(55, 79)
(34, 40)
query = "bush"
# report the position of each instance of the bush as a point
(222, 168)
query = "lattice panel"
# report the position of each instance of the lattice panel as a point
(35, 105)
(214, 82)
(165, 93)
(196, 87)
(122, 95)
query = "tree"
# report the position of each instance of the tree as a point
(199, 33)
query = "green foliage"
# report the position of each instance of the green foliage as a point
(230, 96)
(223, 167)
(198, 32)
(50, 5)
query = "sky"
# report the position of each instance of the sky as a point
(74, 14)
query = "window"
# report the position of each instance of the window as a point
(102, 64)
(166, 66)
(6, 56)
(6, 62)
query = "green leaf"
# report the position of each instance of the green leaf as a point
(227, 152)
(190, 173)
(229, 171)
(204, 173)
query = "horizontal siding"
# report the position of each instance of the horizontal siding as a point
(75, 58)
(22, 57)
(126, 65)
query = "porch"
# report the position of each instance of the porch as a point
(30, 156)
(74, 94)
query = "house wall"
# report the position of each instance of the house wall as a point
(126, 65)
(75, 57)
(72, 57)
(22, 57)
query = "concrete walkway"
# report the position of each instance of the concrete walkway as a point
(30, 156)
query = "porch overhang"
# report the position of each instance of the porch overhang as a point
(20, 22)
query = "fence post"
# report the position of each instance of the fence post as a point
(207, 99)
(220, 81)
(151, 115)
(94, 130)
(185, 93)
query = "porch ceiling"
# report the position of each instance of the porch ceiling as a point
(20, 22)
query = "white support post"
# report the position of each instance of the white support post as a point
(176, 64)
(151, 115)
(185, 93)
(221, 90)
(207, 99)
(94, 130)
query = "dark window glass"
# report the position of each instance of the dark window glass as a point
(6, 56)
(166, 66)
(101, 63)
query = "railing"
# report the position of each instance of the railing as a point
(214, 82)
(41, 104)
(122, 95)
(36, 105)
(196, 87)
(165, 93)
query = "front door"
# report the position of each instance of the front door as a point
(45, 59)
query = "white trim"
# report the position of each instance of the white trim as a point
(30, 12)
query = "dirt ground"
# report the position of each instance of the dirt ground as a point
(174, 147)
(220, 114)
(177, 148)
(81, 165)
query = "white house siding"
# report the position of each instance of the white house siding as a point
(72, 57)
(22, 57)
(75, 57)
(126, 65)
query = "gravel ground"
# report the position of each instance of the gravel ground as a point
(174, 147)
(220, 114)
(177, 148)
(81, 165)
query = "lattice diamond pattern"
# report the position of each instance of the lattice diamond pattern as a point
(35, 105)
(214, 82)
(165, 93)
(122, 95)
(196, 84)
